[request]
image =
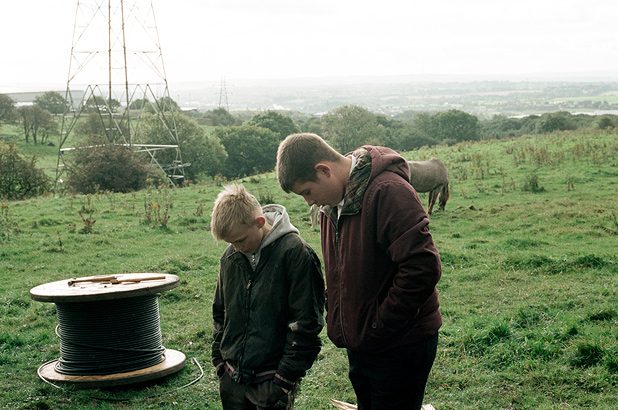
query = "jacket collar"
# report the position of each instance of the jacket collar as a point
(356, 186)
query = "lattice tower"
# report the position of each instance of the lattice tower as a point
(116, 74)
(223, 103)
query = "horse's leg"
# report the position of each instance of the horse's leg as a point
(432, 200)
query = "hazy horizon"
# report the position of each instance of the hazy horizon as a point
(584, 77)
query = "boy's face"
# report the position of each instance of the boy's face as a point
(245, 238)
(325, 191)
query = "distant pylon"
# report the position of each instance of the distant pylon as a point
(116, 72)
(223, 96)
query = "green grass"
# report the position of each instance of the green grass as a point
(529, 290)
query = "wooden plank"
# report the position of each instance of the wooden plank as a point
(347, 406)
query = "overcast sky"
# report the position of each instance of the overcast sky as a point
(206, 40)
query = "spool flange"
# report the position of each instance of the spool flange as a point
(174, 362)
(97, 288)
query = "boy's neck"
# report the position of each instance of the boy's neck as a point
(343, 168)
(265, 229)
(347, 169)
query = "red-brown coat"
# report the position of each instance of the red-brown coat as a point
(381, 265)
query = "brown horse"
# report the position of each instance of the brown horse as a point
(431, 176)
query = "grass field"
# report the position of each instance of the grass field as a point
(529, 290)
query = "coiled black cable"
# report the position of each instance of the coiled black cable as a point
(108, 337)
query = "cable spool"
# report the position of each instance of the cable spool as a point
(109, 330)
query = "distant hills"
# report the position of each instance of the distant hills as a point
(484, 96)
(481, 96)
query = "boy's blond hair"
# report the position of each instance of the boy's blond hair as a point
(233, 207)
(297, 156)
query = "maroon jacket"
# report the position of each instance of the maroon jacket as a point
(381, 264)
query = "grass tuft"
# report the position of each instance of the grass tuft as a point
(586, 354)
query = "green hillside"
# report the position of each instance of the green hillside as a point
(529, 290)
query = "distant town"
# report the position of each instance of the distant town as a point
(392, 95)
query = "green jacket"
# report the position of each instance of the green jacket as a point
(267, 319)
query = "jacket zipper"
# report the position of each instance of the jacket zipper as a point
(244, 339)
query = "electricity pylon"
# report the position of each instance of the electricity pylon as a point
(223, 96)
(116, 73)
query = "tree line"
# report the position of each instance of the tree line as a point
(228, 145)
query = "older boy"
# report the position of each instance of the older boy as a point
(268, 305)
(380, 261)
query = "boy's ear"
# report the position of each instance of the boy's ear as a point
(260, 221)
(322, 167)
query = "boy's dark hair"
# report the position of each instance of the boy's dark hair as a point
(297, 156)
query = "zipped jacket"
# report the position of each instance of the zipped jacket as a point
(381, 265)
(267, 319)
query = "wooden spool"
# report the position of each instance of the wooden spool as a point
(109, 288)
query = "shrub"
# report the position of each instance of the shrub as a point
(219, 117)
(204, 152)
(107, 168)
(251, 150)
(19, 177)
(555, 121)
(605, 121)
(531, 183)
(276, 122)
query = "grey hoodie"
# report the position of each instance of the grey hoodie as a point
(276, 216)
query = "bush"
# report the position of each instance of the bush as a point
(204, 152)
(276, 122)
(531, 184)
(107, 168)
(606, 121)
(251, 150)
(19, 177)
(456, 126)
(555, 121)
(219, 117)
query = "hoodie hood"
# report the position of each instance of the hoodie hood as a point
(370, 162)
(276, 216)
(385, 159)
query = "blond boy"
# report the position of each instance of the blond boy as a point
(268, 305)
